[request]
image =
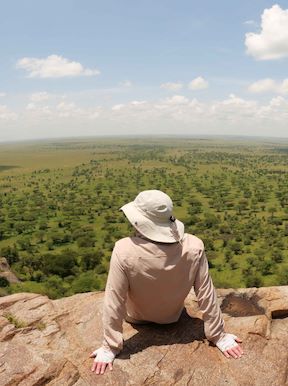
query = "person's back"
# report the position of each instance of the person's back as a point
(150, 276)
(160, 275)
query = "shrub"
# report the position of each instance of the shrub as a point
(85, 282)
(90, 259)
(10, 253)
(59, 264)
(12, 319)
(85, 241)
(4, 282)
(253, 280)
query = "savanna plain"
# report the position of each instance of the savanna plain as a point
(60, 200)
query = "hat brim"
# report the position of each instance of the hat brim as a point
(163, 232)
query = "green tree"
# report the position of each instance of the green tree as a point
(54, 287)
(90, 259)
(59, 264)
(253, 279)
(85, 242)
(4, 282)
(10, 253)
(283, 276)
(210, 220)
(85, 282)
(277, 256)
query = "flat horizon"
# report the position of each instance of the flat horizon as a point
(156, 136)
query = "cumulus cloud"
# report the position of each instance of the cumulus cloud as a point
(234, 115)
(138, 103)
(284, 86)
(272, 41)
(234, 109)
(2, 94)
(172, 86)
(35, 111)
(68, 109)
(118, 107)
(280, 102)
(93, 115)
(54, 66)
(185, 110)
(198, 83)
(177, 114)
(263, 85)
(58, 110)
(6, 114)
(39, 96)
(177, 100)
(31, 106)
(276, 111)
(269, 85)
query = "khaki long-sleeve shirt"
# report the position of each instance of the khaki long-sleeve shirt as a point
(149, 281)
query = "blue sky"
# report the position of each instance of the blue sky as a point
(149, 67)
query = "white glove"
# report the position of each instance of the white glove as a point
(227, 342)
(103, 355)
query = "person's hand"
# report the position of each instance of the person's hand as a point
(229, 346)
(103, 358)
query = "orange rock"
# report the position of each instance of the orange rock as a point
(48, 342)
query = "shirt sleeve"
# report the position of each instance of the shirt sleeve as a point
(207, 301)
(114, 309)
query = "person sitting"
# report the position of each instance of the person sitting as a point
(152, 273)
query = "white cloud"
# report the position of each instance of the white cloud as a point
(263, 85)
(2, 94)
(68, 109)
(276, 111)
(176, 100)
(94, 115)
(172, 86)
(39, 96)
(188, 112)
(272, 41)
(233, 115)
(175, 115)
(31, 106)
(54, 66)
(118, 107)
(138, 103)
(234, 109)
(269, 85)
(6, 114)
(198, 83)
(284, 86)
(35, 111)
(125, 84)
(60, 110)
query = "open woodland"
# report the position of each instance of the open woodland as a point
(60, 200)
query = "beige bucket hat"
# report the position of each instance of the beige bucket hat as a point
(151, 214)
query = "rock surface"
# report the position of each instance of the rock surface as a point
(48, 342)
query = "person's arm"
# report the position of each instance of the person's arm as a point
(114, 311)
(208, 304)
